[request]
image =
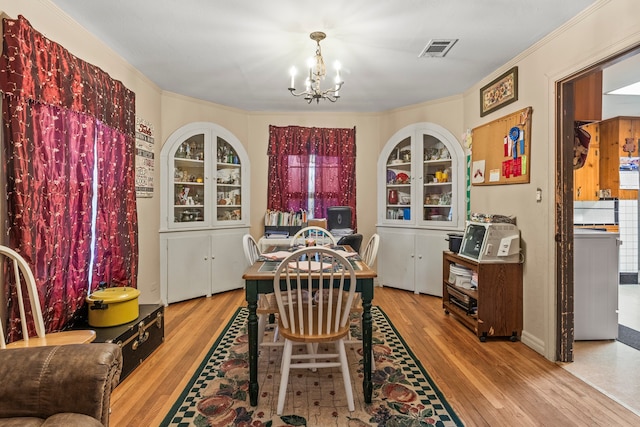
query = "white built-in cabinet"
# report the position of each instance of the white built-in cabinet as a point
(204, 207)
(421, 198)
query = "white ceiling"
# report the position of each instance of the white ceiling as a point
(238, 53)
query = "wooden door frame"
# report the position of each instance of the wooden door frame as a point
(564, 202)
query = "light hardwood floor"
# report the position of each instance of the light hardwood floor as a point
(609, 365)
(496, 383)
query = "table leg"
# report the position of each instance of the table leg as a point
(252, 303)
(367, 326)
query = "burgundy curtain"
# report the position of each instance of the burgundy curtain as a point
(116, 257)
(56, 108)
(334, 153)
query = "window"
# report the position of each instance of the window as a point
(311, 169)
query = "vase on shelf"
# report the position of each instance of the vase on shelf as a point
(393, 197)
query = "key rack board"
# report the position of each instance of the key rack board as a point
(493, 161)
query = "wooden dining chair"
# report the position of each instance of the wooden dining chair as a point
(267, 306)
(370, 252)
(352, 240)
(319, 235)
(18, 274)
(323, 317)
(369, 255)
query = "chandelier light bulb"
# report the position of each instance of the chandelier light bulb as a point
(293, 73)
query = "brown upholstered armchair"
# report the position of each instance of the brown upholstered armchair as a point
(67, 385)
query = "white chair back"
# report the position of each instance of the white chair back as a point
(251, 249)
(370, 252)
(320, 235)
(14, 276)
(19, 270)
(322, 312)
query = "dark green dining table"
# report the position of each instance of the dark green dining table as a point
(259, 280)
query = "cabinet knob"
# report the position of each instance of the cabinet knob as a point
(419, 256)
(206, 258)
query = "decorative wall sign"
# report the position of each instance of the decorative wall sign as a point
(144, 158)
(500, 92)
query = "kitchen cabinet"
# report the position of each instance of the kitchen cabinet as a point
(611, 139)
(619, 137)
(198, 264)
(204, 212)
(586, 180)
(494, 308)
(409, 259)
(421, 197)
(595, 284)
(587, 98)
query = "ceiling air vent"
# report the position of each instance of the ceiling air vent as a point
(437, 48)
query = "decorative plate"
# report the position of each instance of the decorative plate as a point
(402, 177)
(391, 177)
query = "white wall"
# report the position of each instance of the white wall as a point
(608, 27)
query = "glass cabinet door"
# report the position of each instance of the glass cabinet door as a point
(205, 183)
(189, 193)
(228, 183)
(398, 187)
(437, 193)
(421, 177)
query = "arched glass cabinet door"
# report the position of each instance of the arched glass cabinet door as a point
(421, 175)
(188, 189)
(438, 180)
(205, 179)
(398, 186)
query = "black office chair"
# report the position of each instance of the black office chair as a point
(353, 240)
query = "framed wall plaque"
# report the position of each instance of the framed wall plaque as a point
(500, 92)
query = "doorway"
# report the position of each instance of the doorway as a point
(596, 364)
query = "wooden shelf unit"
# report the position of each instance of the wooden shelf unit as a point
(498, 297)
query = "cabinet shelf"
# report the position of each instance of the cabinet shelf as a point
(498, 297)
(438, 184)
(439, 162)
(401, 165)
(473, 293)
(188, 183)
(470, 320)
(181, 161)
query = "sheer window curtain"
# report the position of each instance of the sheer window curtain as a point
(290, 150)
(60, 113)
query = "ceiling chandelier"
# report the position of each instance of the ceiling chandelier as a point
(317, 73)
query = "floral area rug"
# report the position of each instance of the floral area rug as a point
(403, 396)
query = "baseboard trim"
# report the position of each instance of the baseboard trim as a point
(533, 342)
(628, 278)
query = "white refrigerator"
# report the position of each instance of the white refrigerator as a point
(595, 285)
